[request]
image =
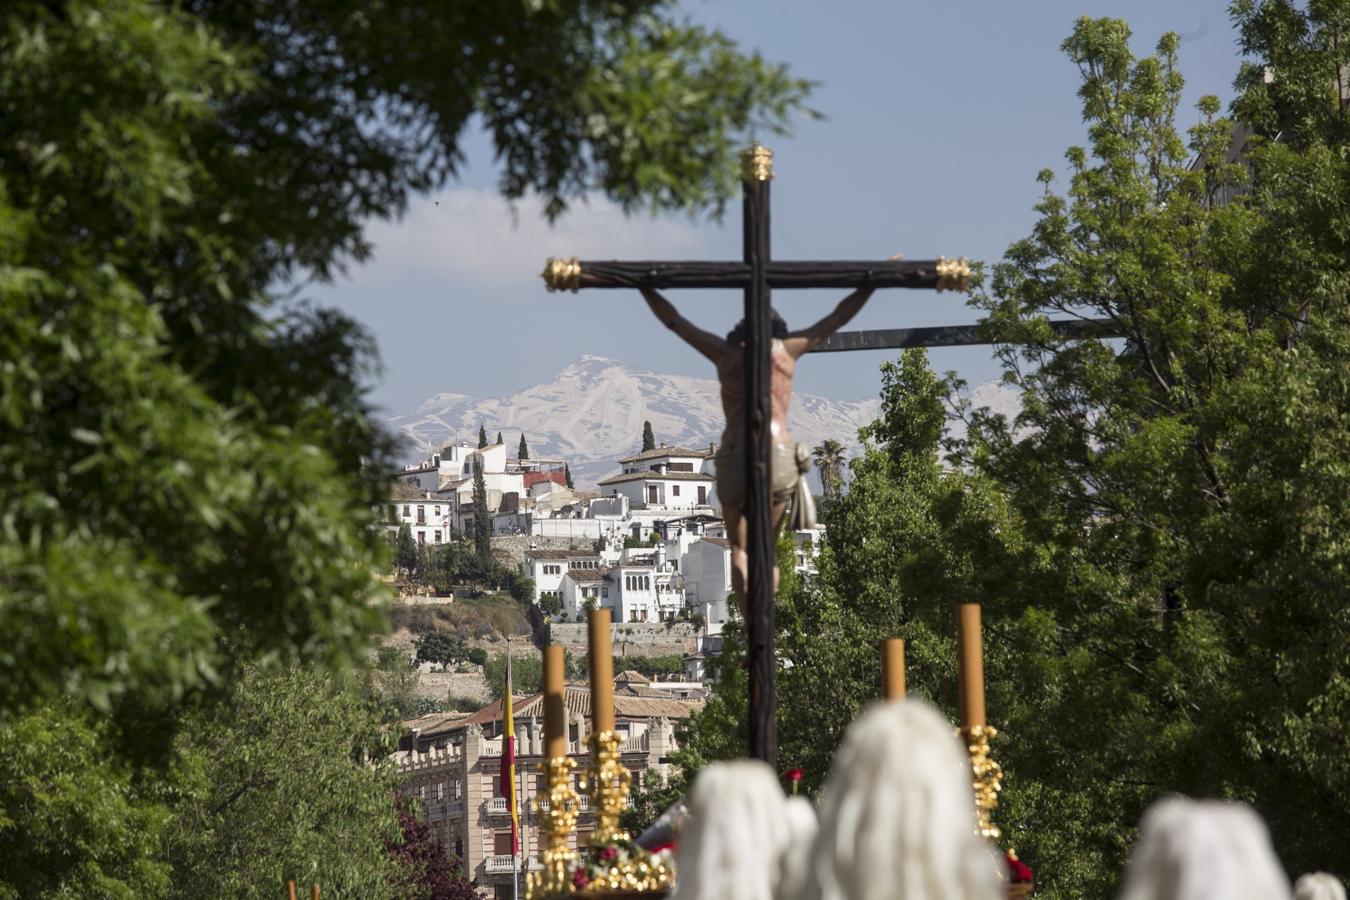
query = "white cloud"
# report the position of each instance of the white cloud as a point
(471, 235)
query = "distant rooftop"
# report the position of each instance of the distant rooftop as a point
(663, 451)
(656, 476)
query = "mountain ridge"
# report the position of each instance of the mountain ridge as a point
(591, 414)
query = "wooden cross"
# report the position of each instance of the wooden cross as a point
(757, 274)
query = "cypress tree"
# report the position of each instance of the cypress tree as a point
(482, 436)
(499, 438)
(567, 475)
(523, 452)
(648, 439)
(482, 522)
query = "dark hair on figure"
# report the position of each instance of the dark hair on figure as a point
(741, 333)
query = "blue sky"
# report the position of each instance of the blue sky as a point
(938, 115)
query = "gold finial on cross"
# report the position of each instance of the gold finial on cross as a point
(562, 274)
(953, 274)
(757, 163)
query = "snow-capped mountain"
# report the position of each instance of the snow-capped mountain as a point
(591, 414)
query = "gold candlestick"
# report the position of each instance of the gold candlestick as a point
(559, 818)
(986, 774)
(986, 778)
(608, 783)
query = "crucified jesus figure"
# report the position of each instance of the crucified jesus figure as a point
(789, 462)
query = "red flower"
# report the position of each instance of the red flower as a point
(668, 845)
(609, 853)
(580, 879)
(793, 775)
(1018, 871)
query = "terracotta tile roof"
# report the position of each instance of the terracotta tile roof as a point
(661, 452)
(561, 554)
(655, 476)
(632, 676)
(435, 723)
(577, 699)
(587, 575)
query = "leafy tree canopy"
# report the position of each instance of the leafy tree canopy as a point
(1157, 538)
(184, 463)
(441, 648)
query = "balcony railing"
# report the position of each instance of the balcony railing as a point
(496, 865)
(444, 808)
(583, 804)
(496, 806)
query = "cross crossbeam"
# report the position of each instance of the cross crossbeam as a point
(938, 274)
(950, 336)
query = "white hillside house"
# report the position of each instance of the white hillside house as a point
(427, 517)
(664, 483)
(707, 580)
(580, 586)
(548, 567)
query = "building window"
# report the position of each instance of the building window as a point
(674, 490)
(421, 537)
(501, 843)
(702, 495)
(436, 536)
(407, 510)
(651, 493)
(604, 592)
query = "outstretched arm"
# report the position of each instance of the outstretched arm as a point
(798, 342)
(710, 345)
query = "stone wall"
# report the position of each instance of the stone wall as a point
(631, 638)
(510, 549)
(438, 685)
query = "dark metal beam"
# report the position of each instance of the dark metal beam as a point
(758, 505)
(662, 274)
(948, 336)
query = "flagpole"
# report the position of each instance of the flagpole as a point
(511, 736)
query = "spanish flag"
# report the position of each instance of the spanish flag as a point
(509, 760)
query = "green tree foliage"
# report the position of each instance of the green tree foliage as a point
(527, 673)
(406, 559)
(182, 459)
(1188, 489)
(285, 787)
(276, 783)
(482, 437)
(391, 685)
(441, 648)
(499, 438)
(178, 464)
(522, 452)
(188, 468)
(478, 656)
(829, 458)
(482, 519)
(567, 475)
(1157, 538)
(74, 820)
(648, 438)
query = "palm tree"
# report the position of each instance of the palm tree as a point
(829, 457)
